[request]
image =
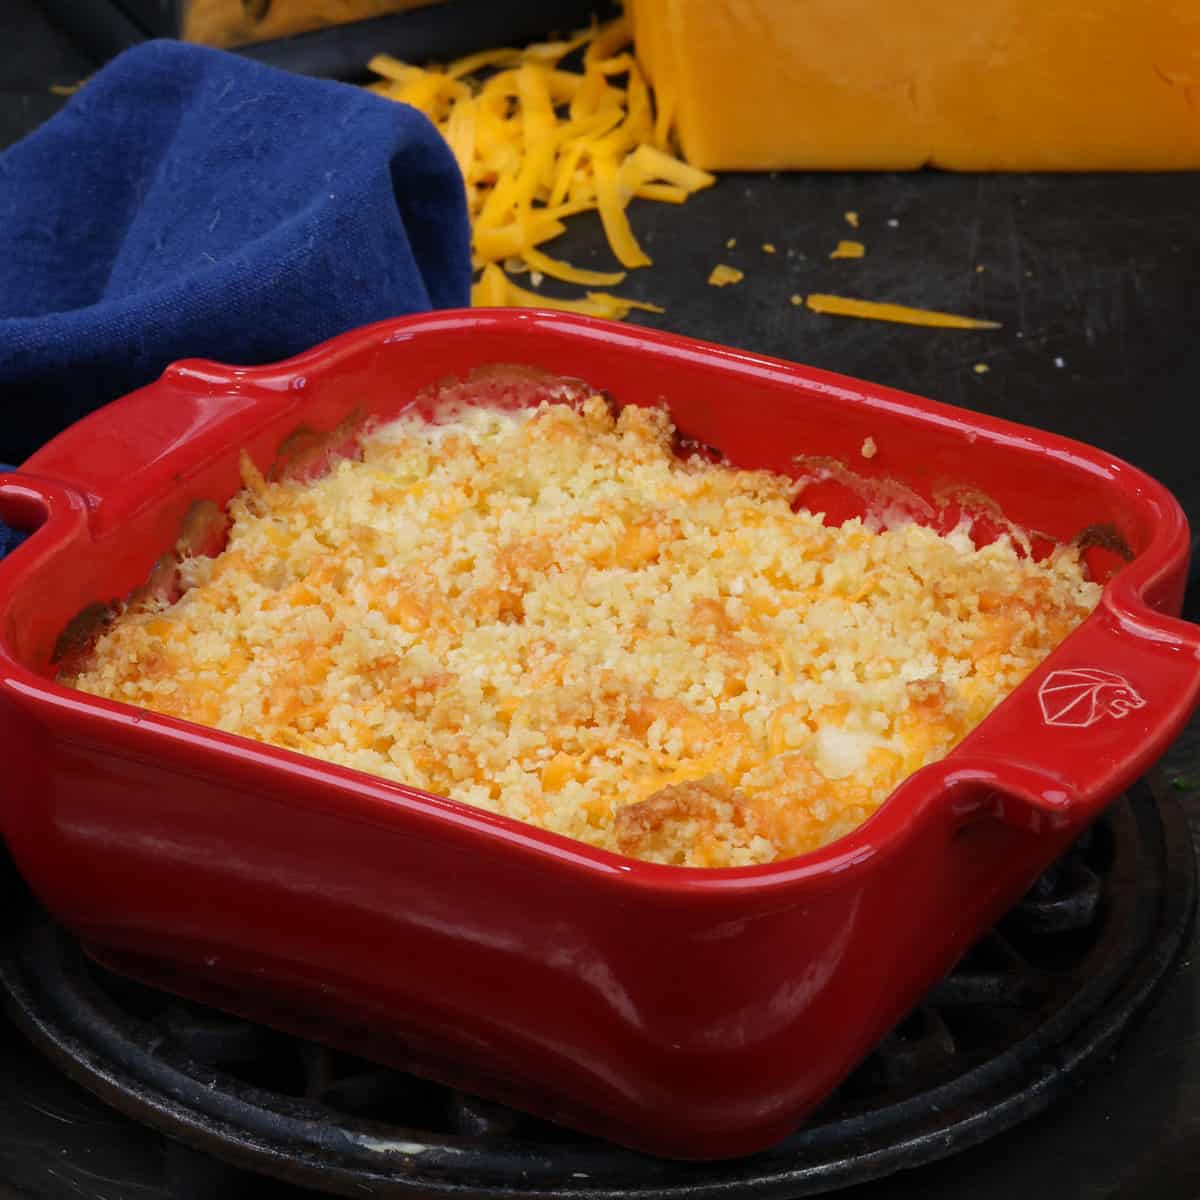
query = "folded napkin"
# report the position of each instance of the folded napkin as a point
(188, 202)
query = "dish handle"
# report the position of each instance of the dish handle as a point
(1094, 717)
(136, 446)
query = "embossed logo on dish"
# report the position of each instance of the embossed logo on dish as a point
(1081, 696)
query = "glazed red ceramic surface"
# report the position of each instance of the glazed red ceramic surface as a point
(686, 1012)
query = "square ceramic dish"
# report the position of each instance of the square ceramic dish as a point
(685, 1012)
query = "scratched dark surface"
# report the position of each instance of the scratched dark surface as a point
(1092, 278)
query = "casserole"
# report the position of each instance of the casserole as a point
(694, 1013)
(561, 615)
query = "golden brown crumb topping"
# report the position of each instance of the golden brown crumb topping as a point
(551, 615)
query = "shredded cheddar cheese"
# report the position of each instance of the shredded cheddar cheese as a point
(537, 144)
(872, 310)
(553, 616)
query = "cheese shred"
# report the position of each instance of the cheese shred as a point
(537, 143)
(871, 310)
(723, 275)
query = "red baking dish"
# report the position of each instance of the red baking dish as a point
(684, 1012)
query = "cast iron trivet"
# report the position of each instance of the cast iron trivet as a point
(1039, 997)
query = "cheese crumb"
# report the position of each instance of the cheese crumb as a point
(851, 219)
(768, 247)
(797, 300)
(869, 449)
(981, 368)
(722, 276)
(730, 243)
(848, 250)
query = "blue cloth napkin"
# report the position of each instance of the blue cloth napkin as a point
(188, 202)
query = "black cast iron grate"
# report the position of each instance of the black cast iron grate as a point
(1039, 997)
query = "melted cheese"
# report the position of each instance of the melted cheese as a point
(496, 290)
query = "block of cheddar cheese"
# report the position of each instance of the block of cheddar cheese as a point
(966, 85)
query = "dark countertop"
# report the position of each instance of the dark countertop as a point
(1091, 277)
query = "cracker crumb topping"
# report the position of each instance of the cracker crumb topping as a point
(552, 615)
